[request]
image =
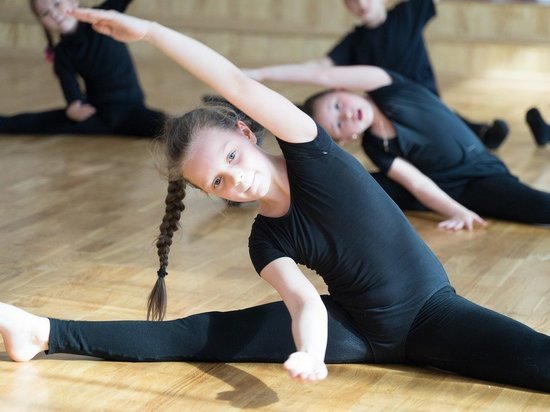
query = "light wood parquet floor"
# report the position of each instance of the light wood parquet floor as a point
(78, 218)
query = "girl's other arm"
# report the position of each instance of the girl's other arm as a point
(264, 105)
(363, 78)
(287, 72)
(430, 195)
(77, 109)
(309, 319)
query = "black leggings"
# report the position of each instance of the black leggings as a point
(501, 197)
(129, 119)
(449, 333)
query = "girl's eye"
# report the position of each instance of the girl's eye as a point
(217, 181)
(337, 106)
(338, 125)
(231, 155)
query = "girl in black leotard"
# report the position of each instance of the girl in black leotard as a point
(113, 101)
(393, 39)
(428, 158)
(390, 298)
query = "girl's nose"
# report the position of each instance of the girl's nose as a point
(238, 178)
(347, 114)
(56, 15)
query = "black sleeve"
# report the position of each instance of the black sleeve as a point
(342, 51)
(383, 160)
(118, 5)
(426, 10)
(423, 11)
(66, 73)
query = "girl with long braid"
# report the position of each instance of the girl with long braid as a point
(390, 299)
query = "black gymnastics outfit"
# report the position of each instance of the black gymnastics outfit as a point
(398, 45)
(111, 84)
(390, 299)
(432, 138)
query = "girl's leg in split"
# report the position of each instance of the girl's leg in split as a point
(454, 334)
(134, 120)
(505, 197)
(257, 334)
(50, 122)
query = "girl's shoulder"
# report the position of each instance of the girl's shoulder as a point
(321, 145)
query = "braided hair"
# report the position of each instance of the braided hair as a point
(176, 139)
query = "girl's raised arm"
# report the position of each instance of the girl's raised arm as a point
(273, 111)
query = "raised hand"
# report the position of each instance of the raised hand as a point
(303, 367)
(117, 25)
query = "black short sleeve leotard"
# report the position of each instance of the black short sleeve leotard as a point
(343, 225)
(397, 44)
(429, 135)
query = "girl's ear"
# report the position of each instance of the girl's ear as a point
(246, 132)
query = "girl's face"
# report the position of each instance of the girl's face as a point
(54, 15)
(371, 12)
(228, 164)
(344, 115)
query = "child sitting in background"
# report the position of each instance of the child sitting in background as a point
(113, 102)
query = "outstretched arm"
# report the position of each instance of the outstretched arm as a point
(267, 107)
(430, 195)
(286, 72)
(309, 319)
(323, 73)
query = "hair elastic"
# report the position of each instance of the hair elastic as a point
(161, 273)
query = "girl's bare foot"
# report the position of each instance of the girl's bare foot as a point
(24, 334)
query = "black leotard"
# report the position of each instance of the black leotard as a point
(429, 135)
(345, 227)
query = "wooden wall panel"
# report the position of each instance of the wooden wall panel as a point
(466, 38)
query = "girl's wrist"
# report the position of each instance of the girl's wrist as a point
(152, 27)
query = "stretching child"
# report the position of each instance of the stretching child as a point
(391, 39)
(380, 275)
(113, 101)
(427, 157)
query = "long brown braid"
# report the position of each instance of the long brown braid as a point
(176, 138)
(157, 302)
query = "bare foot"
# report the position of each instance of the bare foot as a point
(24, 334)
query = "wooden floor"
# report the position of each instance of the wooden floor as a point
(78, 217)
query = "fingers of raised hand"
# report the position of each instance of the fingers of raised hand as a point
(93, 15)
